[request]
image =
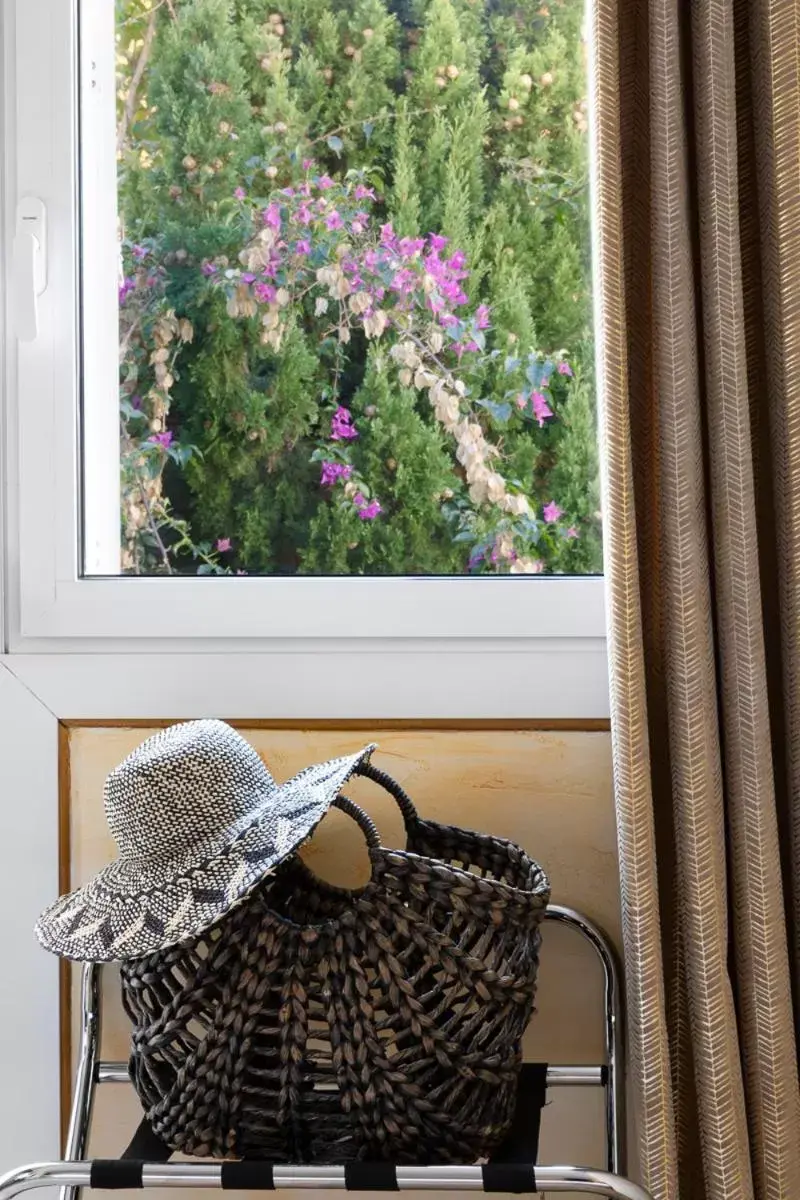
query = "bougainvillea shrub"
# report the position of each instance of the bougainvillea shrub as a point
(355, 312)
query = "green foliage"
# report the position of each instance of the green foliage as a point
(467, 120)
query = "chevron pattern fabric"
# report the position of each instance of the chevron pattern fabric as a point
(697, 153)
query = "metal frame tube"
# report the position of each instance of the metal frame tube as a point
(117, 1072)
(614, 1033)
(68, 1175)
(80, 1117)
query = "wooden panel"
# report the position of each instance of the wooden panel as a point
(549, 790)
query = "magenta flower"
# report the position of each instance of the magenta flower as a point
(369, 512)
(139, 252)
(572, 532)
(161, 439)
(564, 368)
(334, 221)
(272, 215)
(551, 512)
(239, 193)
(342, 429)
(208, 269)
(325, 182)
(308, 164)
(303, 215)
(457, 261)
(303, 246)
(410, 246)
(437, 242)
(126, 287)
(287, 192)
(364, 193)
(359, 500)
(264, 292)
(482, 316)
(541, 409)
(332, 472)
(247, 277)
(388, 236)
(223, 544)
(136, 403)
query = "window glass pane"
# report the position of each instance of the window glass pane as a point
(355, 320)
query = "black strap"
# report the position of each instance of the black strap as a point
(147, 1145)
(521, 1144)
(114, 1173)
(248, 1176)
(370, 1177)
(509, 1177)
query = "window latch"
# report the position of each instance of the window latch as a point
(29, 266)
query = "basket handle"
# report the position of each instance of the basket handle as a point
(365, 823)
(404, 801)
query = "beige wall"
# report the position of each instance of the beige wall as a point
(551, 791)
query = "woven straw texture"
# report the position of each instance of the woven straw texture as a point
(697, 146)
(319, 1025)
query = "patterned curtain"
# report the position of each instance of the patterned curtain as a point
(697, 157)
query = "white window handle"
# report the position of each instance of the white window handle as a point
(29, 267)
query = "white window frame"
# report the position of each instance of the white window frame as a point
(50, 601)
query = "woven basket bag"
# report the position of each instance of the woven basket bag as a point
(319, 1025)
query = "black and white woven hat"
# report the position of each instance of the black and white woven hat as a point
(198, 821)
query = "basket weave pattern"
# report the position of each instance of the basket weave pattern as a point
(319, 1025)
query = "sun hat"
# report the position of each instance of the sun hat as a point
(198, 821)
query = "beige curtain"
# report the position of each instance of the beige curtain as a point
(697, 154)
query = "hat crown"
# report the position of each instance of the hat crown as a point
(182, 787)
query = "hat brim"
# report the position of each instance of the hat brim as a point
(126, 912)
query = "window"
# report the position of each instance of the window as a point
(313, 292)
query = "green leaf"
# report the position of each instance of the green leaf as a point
(500, 412)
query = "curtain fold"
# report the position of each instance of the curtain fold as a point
(697, 213)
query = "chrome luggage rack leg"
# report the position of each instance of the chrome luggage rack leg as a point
(76, 1173)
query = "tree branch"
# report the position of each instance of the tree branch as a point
(138, 71)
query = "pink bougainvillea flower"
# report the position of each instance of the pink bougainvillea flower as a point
(208, 269)
(541, 409)
(369, 511)
(308, 164)
(223, 544)
(161, 439)
(265, 292)
(246, 277)
(325, 182)
(136, 402)
(408, 247)
(272, 215)
(482, 316)
(332, 472)
(572, 532)
(364, 193)
(437, 242)
(303, 215)
(303, 246)
(359, 500)
(334, 221)
(126, 287)
(470, 347)
(564, 368)
(239, 193)
(342, 429)
(287, 192)
(388, 236)
(457, 261)
(139, 252)
(551, 512)
(520, 400)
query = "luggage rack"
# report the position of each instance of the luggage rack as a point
(74, 1172)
